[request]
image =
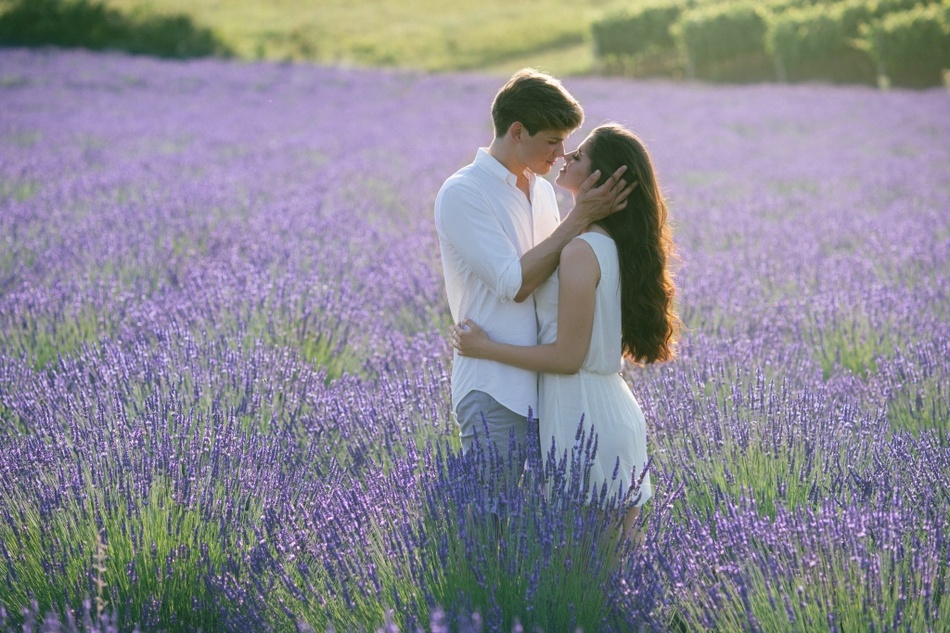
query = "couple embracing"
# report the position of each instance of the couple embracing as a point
(545, 310)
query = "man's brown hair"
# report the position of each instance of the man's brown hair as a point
(538, 101)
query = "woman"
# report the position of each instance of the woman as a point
(611, 297)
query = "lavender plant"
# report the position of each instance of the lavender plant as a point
(224, 394)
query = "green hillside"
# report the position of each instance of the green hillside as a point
(432, 34)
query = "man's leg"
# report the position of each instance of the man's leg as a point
(501, 422)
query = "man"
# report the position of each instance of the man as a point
(500, 236)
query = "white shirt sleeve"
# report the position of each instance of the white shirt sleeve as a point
(469, 224)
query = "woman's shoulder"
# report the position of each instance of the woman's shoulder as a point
(598, 241)
(578, 247)
(601, 248)
(596, 232)
(579, 258)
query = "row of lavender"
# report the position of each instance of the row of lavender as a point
(223, 380)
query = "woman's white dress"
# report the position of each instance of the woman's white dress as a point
(597, 392)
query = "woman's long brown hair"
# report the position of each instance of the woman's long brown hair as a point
(644, 246)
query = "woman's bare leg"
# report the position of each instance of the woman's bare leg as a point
(626, 537)
(631, 534)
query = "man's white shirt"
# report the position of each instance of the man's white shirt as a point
(485, 224)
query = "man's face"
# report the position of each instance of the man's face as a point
(539, 152)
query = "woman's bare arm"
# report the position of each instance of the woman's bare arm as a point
(591, 204)
(578, 276)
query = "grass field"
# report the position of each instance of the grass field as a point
(497, 35)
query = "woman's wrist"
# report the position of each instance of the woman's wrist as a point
(577, 220)
(487, 351)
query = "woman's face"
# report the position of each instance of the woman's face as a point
(576, 168)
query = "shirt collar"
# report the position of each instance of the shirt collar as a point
(489, 163)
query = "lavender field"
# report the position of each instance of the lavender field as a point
(224, 397)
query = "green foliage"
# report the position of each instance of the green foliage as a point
(821, 41)
(721, 31)
(305, 333)
(912, 47)
(807, 33)
(19, 190)
(546, 586)
(749, 588)
(855, 343)
(856, 13)
(710, 39)
(815, 43)
(336, 607)
(917, 390)
(921, 405)
(792, 40)
(115, 553)
(44, 339)
(91, 24)
(637, 30)
(724, 41)
(497, 35)
(755, 443)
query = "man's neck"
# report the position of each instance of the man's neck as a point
(503, 153)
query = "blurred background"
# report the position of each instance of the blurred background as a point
(882, 42)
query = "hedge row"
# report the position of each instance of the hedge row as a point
(913, 46)
(724, 39)
(835, 42)
(788, 40)
(637, 30)
(91, 24)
